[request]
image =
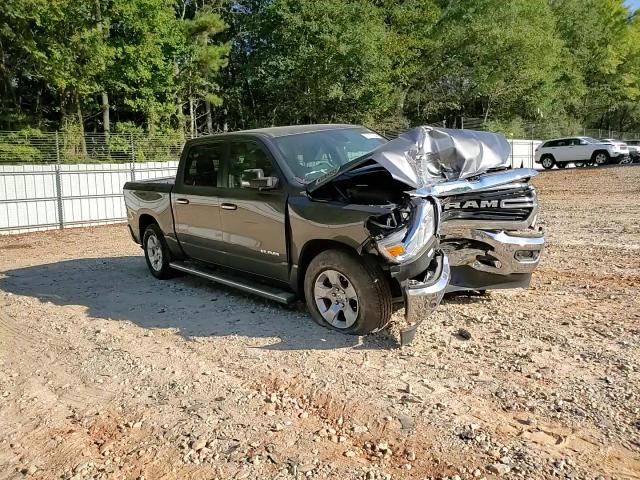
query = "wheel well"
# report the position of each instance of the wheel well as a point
(548, 155)
(315, 247)
(144, 222)
(599, 151)
(311, 250)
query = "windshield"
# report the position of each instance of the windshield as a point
(311, 155)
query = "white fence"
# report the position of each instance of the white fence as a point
(522, 153)
(40, 197)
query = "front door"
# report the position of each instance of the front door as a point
(582, 149)
(253, 220)
(195, 202)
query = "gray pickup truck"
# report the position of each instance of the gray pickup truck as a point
(351, 222)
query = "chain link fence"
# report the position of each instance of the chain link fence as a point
(34, 147)
(60, 179)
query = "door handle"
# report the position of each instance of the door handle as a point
(229, 206)
(182, 201)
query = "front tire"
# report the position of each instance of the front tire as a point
(156, 253)
(347, 293)
(548, 162)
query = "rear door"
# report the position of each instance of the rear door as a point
(253, 220)
(196, 204)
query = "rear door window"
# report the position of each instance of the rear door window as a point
(202, 165)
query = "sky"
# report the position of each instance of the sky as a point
(634, 4)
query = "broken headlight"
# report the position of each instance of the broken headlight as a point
(413, 240)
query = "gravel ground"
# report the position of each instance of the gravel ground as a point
(108, 373)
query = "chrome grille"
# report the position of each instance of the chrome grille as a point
(506, 204)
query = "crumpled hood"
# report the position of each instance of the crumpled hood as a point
(425, 156)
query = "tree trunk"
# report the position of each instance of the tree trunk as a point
(192, 119)
(83, 142)
(106, 121)
(486, 112)
(207, 105)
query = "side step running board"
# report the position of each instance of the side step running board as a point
(235, 281)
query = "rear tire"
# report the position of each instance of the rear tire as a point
(347, 293)
(601, 158)
(547, 162)
(156, 253)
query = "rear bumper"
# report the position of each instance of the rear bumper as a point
(498, 259)
(422, 297)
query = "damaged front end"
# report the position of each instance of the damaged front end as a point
(490, 233)
(457, 218)
(416, 262)
(403, 231)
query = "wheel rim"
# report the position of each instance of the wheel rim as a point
(336, 299)
(547, 162)
(626, 160)
(601, 158)
(154, 252)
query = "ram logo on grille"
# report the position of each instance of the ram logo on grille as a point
(478, 204)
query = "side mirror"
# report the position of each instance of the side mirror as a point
(264, 183)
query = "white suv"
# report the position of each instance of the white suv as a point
(582, 151)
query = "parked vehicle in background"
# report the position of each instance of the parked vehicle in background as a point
(634, 150)
(624, 148)
(343, 218)
(582, 151)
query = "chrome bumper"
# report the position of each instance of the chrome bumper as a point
(423, 297)
(492, 259)
(500, 252)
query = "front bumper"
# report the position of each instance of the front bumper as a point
(498, 258)
(422, 296)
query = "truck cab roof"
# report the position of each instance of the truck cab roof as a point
(274, 132)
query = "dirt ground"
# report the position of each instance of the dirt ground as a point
(106, 372)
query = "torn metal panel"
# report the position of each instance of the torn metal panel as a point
(425, 156)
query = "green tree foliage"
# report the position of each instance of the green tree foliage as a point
(308, 61)
(494, 59)
(193, 66)
(58, 56)
(604, 46)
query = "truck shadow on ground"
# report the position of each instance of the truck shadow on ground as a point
(120, 288)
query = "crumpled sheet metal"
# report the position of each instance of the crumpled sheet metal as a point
(425, 156)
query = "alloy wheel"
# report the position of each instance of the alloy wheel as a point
(336, 299)
(154, 252)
